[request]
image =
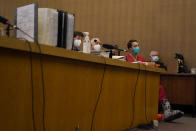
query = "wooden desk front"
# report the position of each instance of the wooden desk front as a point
(76, 90)
(180, 88)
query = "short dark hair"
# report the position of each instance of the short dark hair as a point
(78, 33)
(129, 44)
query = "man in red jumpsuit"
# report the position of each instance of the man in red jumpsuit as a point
(134, 50)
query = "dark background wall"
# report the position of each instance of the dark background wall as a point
(168, 26)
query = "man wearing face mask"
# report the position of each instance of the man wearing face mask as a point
(154, 57)
(78, 37)
(96, 48)
(134, 50)
(95, 44)
(169, 114)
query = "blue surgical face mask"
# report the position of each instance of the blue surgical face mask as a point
(136, 50)
(155, 58)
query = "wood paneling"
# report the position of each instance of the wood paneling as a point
(18, 104)
(180, 89)
(165, 25)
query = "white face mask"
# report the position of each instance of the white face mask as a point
(97, 47)
(77, 43)
(155, 58)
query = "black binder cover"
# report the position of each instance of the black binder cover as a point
(59, 38)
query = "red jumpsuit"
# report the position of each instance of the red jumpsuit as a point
(162, 94)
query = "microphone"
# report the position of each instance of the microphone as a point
(3, 20)
(109, 46)
(116, 47)
(6, 22)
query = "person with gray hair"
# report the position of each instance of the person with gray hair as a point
(95, 44)
(155, 60)
(169, 114)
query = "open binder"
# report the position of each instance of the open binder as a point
(47, 26)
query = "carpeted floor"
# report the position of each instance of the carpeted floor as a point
(186, 123)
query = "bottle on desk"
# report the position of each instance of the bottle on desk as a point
(86, 43)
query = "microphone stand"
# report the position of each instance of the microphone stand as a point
(8, 30)
(16, 28)
(118, 52)
(110, 54)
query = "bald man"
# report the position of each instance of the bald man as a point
(154, 58)
(95, 44)
(169, 114)
(133, 46)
